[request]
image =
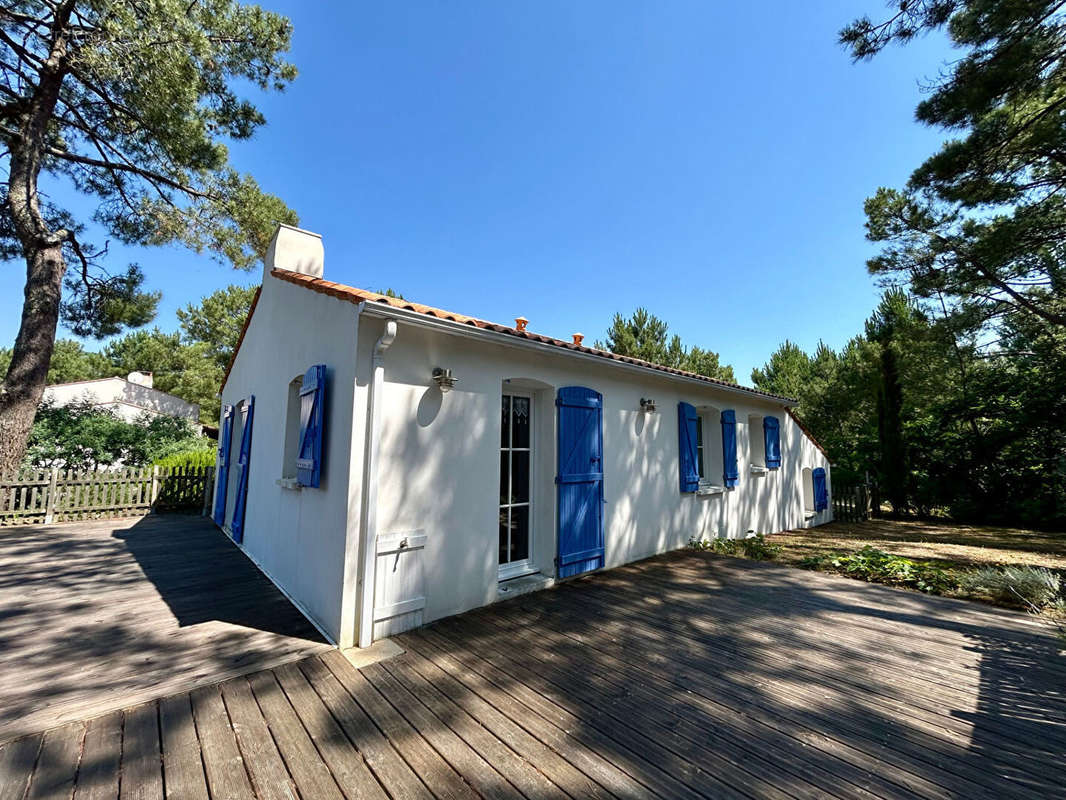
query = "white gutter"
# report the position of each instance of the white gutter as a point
(508, 340)
(369, 524)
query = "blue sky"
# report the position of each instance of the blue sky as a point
(566, 160)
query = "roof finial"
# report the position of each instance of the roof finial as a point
(520, 323)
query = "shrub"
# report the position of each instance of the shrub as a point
(1016, 585)
(877, 566)
(755, 547)
(197, 457)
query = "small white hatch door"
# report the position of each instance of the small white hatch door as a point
(399, 583)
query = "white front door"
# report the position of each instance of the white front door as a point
(516, 486)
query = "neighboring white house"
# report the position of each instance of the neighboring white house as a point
(130, 397)
(388, 464)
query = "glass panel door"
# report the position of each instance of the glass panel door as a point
(516, 453)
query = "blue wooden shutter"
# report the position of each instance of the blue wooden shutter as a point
(821, 491)
(236, 525)
(772, 434)
(729, 447)
(312, 398)
(686, 436)
(222, 465)
(579, 481)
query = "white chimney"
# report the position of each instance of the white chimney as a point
(140, 378)
(295, 250)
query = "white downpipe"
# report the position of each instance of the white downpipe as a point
(370, 481)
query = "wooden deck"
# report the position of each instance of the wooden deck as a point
(687, 675)
(95, 616)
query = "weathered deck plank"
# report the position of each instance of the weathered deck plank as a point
(99, 616)
(682, 676)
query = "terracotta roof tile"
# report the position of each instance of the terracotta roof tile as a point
(354, 295)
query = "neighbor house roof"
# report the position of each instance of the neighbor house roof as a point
(353, 295)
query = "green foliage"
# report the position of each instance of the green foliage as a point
(147, 98)
(754, 547)
(189, 364)
(645, 336)
(981, 221)
(86, 437)
(941, 426)
(1032, 587)
(70, 362)
(202, 454)
(105, 305)
(217, 321)
(187, 371)
(877, 566)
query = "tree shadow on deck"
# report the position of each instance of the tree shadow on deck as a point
(770, 678)
(203, 576)
(98, 615)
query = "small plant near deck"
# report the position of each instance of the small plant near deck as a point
(754, 547)
(877, 566)
(1014, 585)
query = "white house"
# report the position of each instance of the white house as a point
(130, 397)
(388, 464)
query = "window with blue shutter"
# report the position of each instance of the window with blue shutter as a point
(687, 422)
(772, 434)
(244, 458)
(312, 399)
(821, 490)
(222, 465)
(729, 447)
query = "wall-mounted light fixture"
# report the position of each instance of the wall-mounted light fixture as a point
(444, 379)
(647, 404)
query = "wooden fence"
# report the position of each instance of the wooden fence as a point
(55, 495)
(852, 503)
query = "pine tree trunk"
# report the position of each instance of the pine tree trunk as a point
(42, 247)
(890, 431)
(27, 373)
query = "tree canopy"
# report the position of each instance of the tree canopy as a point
(130, 105)
(188, 363)
(980, 224)
(643, 335)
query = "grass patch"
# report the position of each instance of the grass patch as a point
(1032, 587)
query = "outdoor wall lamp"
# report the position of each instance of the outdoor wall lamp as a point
(444, 379)
(647, 404)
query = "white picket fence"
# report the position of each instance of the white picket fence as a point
(46, 496)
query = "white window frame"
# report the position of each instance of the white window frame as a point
(704, 415)
(757, 445)
(525, 566)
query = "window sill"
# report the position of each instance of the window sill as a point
(709, 489)
(759, 470)
(289, 483)
(516, 569)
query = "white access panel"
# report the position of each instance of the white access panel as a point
(399, 583)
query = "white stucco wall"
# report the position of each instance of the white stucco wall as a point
(130, 401)
(439, 468)
(297, 536)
